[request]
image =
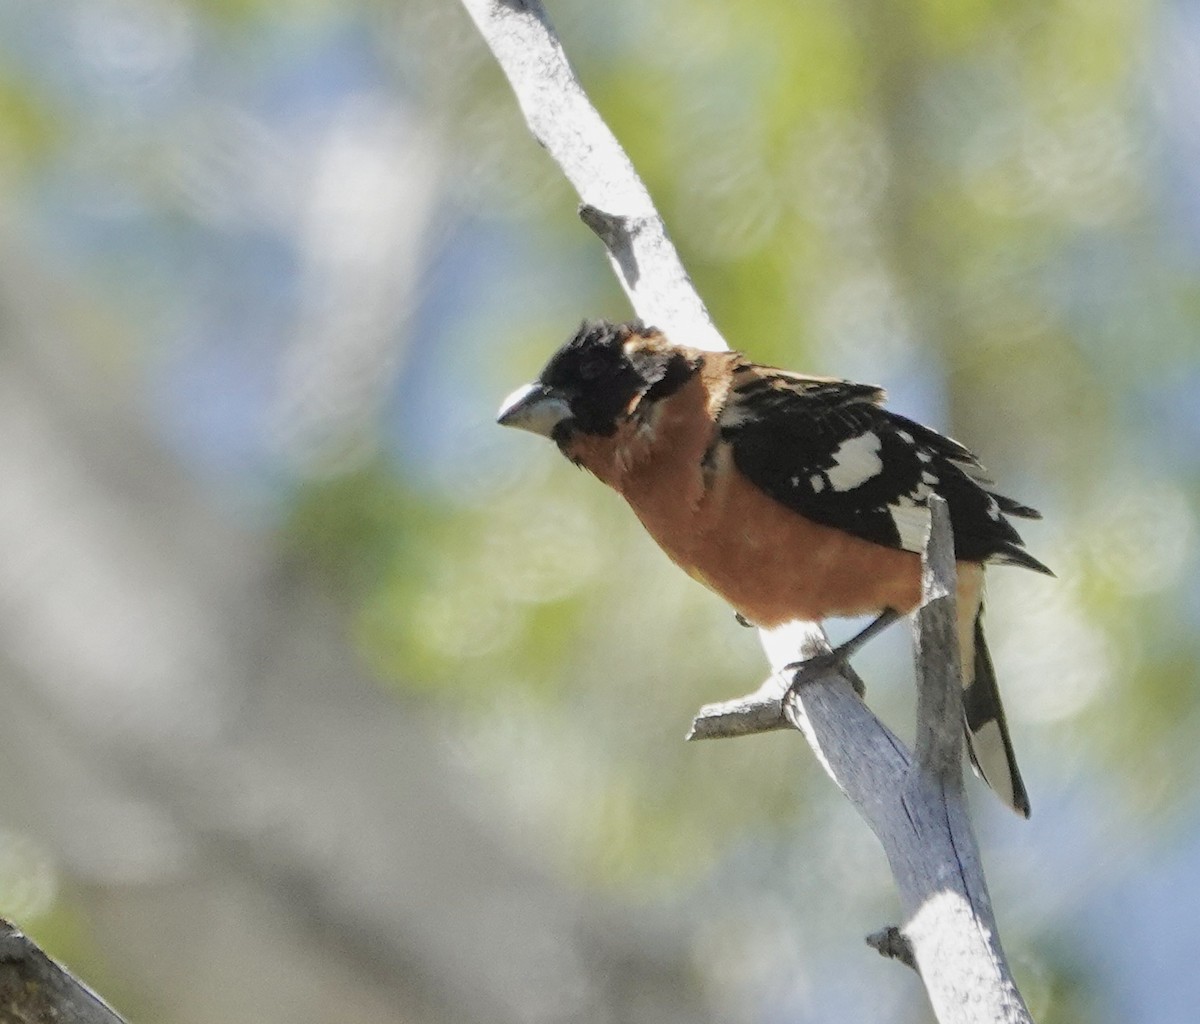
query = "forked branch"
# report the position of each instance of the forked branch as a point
(914, 804)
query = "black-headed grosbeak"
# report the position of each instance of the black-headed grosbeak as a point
(793, 497)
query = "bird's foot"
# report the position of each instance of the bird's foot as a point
(813, 668)
(810, 669)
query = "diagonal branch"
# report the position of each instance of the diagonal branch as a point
(915, 806)
(35, 988)
(616, 204)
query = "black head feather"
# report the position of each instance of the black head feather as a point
(599, 374)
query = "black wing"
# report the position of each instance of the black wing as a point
(826, 449)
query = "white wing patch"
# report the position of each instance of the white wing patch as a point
(910, 514)
(855, 461)
(911, 521)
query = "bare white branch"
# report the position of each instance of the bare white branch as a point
(939, 743)
(760, 711)
(616, 204)
(915, 806)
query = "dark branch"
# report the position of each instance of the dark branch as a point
(36, 990)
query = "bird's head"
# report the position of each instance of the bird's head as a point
(596, 380)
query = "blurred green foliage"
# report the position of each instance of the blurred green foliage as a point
(960, 200)
(914, 195)
(907, 194)
(29, 129)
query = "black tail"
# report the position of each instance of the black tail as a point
(987, 731)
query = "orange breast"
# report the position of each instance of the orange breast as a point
(768, 562)
(772, 564)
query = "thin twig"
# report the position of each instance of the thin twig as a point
(760, 711)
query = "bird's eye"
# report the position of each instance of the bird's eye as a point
(592, 368)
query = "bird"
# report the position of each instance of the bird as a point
(792, 497)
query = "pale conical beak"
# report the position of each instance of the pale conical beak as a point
(535, 408)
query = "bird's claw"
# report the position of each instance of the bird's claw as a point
(812, 668)
(809, 670)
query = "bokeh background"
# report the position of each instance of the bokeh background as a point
(325, 699)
